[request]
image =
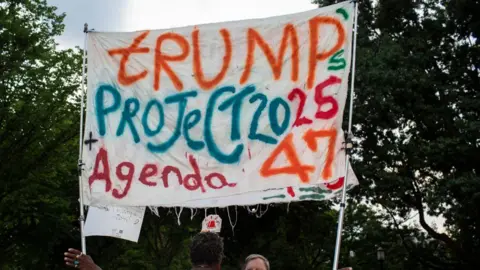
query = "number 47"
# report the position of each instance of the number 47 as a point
(296, 167)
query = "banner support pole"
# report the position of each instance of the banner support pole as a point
(348, 146)
(81, 218)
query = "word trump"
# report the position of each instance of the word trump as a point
(164, 62)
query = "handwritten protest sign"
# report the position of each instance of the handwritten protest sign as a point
(216, 110)
(118, 222)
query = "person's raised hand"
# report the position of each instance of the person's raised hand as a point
(75, 258)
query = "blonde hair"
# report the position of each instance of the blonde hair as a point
(252, 257)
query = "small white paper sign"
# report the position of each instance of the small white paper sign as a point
(118, 222)
(212, 223)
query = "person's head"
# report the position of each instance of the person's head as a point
(206, 251)
(256, 262)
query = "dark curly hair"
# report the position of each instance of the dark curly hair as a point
(206, 249)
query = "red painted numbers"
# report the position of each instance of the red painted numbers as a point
(310, 136)
(321, 100)
(299, 120)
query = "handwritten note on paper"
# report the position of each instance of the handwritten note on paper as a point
(118, 222)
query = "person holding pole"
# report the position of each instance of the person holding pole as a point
(206, 253)
(75, 258)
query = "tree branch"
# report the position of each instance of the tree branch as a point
(421, 214)
(409, 249)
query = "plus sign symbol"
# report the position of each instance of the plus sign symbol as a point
(90, 141)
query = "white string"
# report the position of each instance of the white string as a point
(206, 212)
(288, 207)
(178, 215)
(154, 210)
(230, 219)
(252, 211)
(193, 214)
(261, 213)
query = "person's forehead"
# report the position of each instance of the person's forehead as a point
(256, 264)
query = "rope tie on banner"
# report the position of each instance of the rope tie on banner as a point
(230, 219)
(261, 213)
(80, 167)
(80, 164)
(193, 214)
(253, 210)
(178, 215)
(154, 210)
(348, 144)
(257, 211)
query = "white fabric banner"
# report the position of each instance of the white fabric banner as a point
(217, 110)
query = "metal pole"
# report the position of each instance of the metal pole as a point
(80, 144)
(348, 146)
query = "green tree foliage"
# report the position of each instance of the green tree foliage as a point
(417, 120)
(38, 129)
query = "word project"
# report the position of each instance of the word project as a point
(212, 111)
